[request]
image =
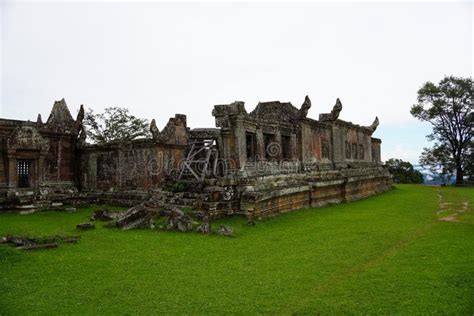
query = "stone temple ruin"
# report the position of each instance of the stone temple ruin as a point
(272, 160)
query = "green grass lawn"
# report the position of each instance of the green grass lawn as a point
(388, 254)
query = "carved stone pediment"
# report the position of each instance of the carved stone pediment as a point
(175, 132)
(27, 138)
(276, 111)
(60, 119)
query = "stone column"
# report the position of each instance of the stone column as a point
(293, 154)
(240, 144)
(12, 172)
(279, 157)
(306, 143)
(260, 144)
(337, 144)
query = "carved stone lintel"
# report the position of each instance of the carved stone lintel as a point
(27, 138)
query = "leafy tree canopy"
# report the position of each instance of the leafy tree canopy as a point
(448, 107)
(115, 124)
(403, 171)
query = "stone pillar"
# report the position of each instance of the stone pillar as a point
(240, 144)
(337, 144)
(260, 144)
(279, 156)
(307, 154)
(293, 154)
(12, 172)
(368, 149)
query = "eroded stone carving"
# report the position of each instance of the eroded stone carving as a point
(334, 115)
(175, 131)
(81, 140)
(60, 119)
(224, 112)
(276, 111)
(374, 125)
(155, 132)
(27, 138)
(305, 107)
(79, 118)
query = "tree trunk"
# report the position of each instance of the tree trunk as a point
(459, 175)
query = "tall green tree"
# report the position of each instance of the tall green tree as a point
(448, 107)
(403, 171)
(115, 124)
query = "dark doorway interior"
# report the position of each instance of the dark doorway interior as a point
(24, 173)
(251, 142)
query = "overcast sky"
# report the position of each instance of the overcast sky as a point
(159, 59)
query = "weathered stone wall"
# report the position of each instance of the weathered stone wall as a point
(274, 194)
(135, 167)
(276, 131)
(139, 165)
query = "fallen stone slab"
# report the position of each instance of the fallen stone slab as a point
(85, 226)
(33, 243)
(17, 241)
(136, 217)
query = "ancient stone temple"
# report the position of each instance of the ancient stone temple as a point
(273, 159)
(39, 159)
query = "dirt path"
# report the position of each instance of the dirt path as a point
(451, 217)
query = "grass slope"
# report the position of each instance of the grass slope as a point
(386, 254)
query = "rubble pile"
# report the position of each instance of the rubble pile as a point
(178, 220)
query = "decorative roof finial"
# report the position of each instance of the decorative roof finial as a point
(155, 132)
(374, 125)
(303, 112)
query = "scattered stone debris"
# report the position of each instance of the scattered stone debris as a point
(177, 220)
(85, 226)
(204, 228)
(225, 231)
(104, 215)
(37, 243)
(136, 217)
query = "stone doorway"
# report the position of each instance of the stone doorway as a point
(24, 173)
